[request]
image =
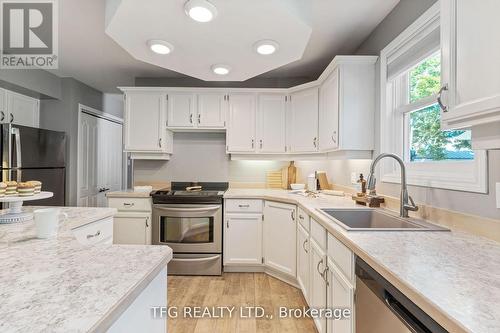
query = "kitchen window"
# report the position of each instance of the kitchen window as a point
(411, 117)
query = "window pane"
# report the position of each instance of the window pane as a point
(425, 78)
(429, 143)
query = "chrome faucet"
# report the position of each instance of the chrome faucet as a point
(407, 203)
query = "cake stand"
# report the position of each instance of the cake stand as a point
(14, 213)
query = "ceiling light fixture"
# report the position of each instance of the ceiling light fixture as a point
(160, 46)
(200, 10)
(221, 69)
(266, 47)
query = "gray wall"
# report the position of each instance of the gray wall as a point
(32, 82)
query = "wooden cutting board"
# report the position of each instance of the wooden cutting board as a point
(274, 179)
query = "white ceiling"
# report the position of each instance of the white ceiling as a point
(91, 56)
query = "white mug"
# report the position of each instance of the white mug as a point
(47, 222)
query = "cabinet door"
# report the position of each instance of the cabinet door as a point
(470, 64)
(181, 110)
(317, 297)
(145, 121)
(212, 110)
(241, 126)
(132, 229)
(340, 295)
(303, 264)
(304, 121)
(22, 110)
(243, 239)
(280, 237)
(329, 112)
(271, 124)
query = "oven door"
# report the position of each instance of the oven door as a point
(188, 228)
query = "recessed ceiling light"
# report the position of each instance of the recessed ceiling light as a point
(266, 47)
(160, 46)
(200, 10)
(221, 69)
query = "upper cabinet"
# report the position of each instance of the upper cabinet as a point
(146, 136)
(212, 110)
(271, 123)
(303, 129)
(190, 111)
(19, 109)
(181, 110)
(241, 123)
(347, 105)
(470, 63)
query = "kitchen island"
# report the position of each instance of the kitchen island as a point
(62, 285)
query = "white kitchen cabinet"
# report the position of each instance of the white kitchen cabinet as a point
(132, 228)
(303, 131)
(271, 123)
(317, 294)
(470, 62)
(303, 262)
(181, 109)
(19, 109)
(340, 295)
(329, 112)
(243, 239)
(280, 237)
(212, 110)
(97, 232)
(146, 135)
(241, 127)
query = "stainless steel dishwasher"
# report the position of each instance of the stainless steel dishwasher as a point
(381, 308)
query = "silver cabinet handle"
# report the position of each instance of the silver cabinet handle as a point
(244, 206)
(126, 204)
(199, 118)
(147, 222)
(253, 143)
(11, 117)
(325, 275)
(191, 118)
(315, 142)
(293, 215)
(227, 224)
(304, 246)
(317, 267)
(260, 143)
(3, 116)
(159, 142)
(334, 137)
(301, 217)
(439, 100)
(94, 235)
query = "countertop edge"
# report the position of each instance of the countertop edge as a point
(440, 316)
(113, 314)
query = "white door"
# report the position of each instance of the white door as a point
(240, 134)
(317, 296)
(22, 110)
(87, 161)
(329, 113)
(304, 121)
(243, 239)
(280, 237)
(145, 121)
(181, 110)
(340, 295)
(470, 60)
(271, 124)
(212, 110)
(303, 264)
(132, 228)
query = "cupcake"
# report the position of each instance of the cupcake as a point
(3, 188)
(25, 189)
(11, 188)
(37, 184)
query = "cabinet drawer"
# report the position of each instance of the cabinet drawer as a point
(342, 257)
(99, 232)
(243, 206)
(318, 233)
(130, 204)
(303, 218)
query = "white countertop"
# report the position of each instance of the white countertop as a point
(452, 276)
(59, 285)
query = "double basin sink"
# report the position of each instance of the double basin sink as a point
(376, 220)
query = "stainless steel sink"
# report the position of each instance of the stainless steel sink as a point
(376, 220)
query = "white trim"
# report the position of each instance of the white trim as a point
(98, 113)
(469, 176)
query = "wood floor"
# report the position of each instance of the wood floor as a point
(238, 290)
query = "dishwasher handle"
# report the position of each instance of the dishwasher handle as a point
(404, 315)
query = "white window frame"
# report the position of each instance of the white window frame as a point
(470, 176)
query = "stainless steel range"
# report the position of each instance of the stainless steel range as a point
(188, 218)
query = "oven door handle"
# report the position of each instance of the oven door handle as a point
(187, 209)
(197, 259)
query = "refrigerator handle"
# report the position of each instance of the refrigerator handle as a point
(17, 137)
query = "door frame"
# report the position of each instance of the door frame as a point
(98, 114)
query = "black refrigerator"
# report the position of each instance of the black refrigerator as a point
(35, 154)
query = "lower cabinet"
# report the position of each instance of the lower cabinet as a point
(340, 295)
(317, 293)
(98, 232)
(132, 228)
(280, 237)
(303, 262)
(243, 239)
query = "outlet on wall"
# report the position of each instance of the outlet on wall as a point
(498, 194)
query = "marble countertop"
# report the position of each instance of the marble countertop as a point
(128, 194)
(453, 276)
(60, 285)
